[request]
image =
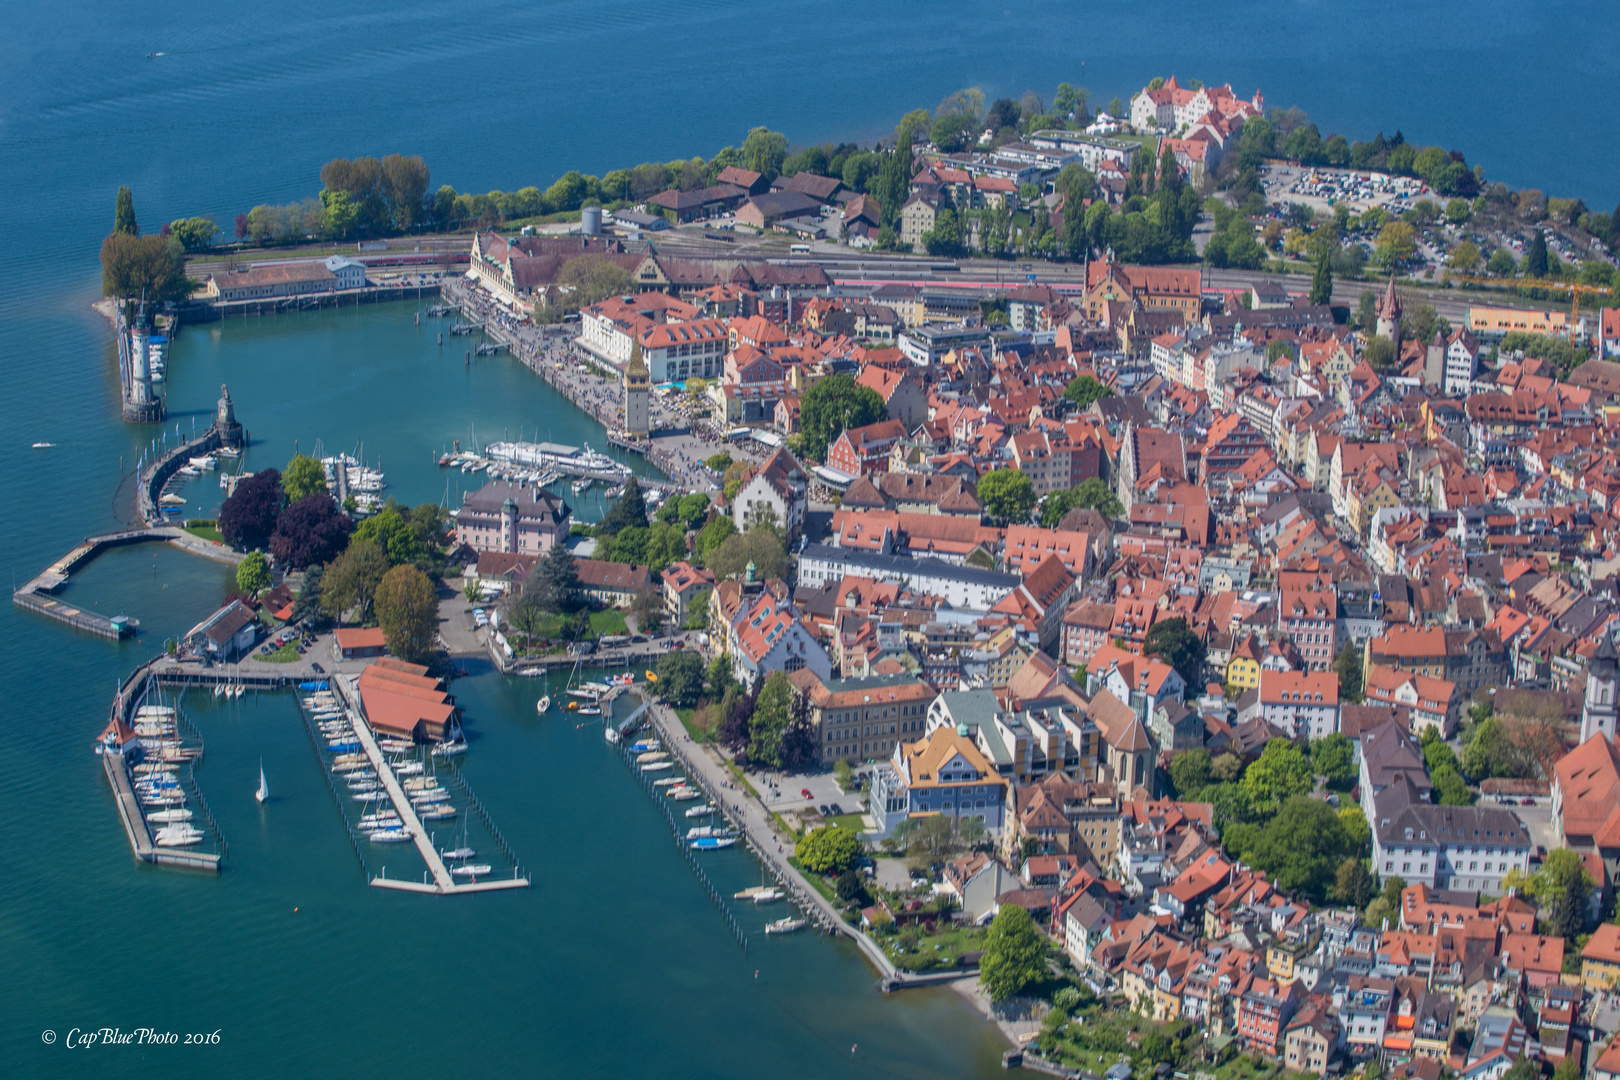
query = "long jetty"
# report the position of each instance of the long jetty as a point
(37, 593)
(117, 767)
(443, 883)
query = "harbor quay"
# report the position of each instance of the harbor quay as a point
(676, 447)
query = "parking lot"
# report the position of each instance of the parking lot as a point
(1324, 189)
(784, 793)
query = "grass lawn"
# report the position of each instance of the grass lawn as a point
(287, 654)
(205, 529)
(942, 949)
(610, 621)
(689, 721)
(852, 822)
(815, 880)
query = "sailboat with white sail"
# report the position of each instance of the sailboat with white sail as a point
(264, 789)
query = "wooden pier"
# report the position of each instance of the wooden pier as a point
(139, 832)
(443, 883)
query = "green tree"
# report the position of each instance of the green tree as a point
(1466, 258)
(352, 579)
(1095, 494)
(303, 476)
(1322, 279)
(1347, 665)
(762, 547)
(1303, 846)
(828, 851)
(764, 151)
(1226, 767)
(1333, 757)
(307, 605)
(555, 579)
(1502, 263)
(408, 612)
(773, 711)
(945, 238)
(1281, 773)
(832, 405)
(395, 536)
(1397, 242)
(1453, 791)
(713, 537)
(341, 215)
(1056, 505)
(1353, 883)
(1535, 258)
(1173, 641)
(1355, 826)
(1085, 390)
(1008, 495)
(1190, 771)
(1014, 954)
(405, 187)
(1562, 887)
(1380, 354)
(253, 574)
(630, 510)
(680, 677)
(149, 267)
(124, 223)
(194, 233)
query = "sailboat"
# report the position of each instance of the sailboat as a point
(543, 706)
(264, 789)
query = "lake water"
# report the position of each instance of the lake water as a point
(615, 962)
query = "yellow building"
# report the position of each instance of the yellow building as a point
(1500, 321)
(1600, 959)
(1244, 672)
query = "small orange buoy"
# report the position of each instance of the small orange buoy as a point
(295, 911)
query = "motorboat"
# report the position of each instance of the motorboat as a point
(543, 706)
(786, 926)
(472, 870)
(583, 692)
(644, 745)
(699, 811)
(611, 733)
(769, 896)
(713, 843)
(590, 710)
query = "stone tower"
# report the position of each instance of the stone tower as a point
(1389, 315)
(142, 405)
(637, 390)
(231, 433)
(1602, 681)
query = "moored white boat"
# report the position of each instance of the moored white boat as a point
(785, 926)
(169, 817)
(713, 843)
(699, 811)
(390, 836)
(472, 870)
(179, 834)
(657, 766)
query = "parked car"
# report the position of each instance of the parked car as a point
(317, 669)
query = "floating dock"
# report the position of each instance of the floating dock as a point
(443, 884)
(139, 832)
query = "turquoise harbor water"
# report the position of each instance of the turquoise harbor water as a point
(615, 963)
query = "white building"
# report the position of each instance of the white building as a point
(942, 773)
(779, 488)
(964, 588)
(350, 273)
(1303, 704)
(770, 636)
(1467, 848)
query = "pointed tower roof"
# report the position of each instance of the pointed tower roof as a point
(1606, 654)
(1389, 307)
(637, 365)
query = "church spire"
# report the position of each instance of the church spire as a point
(637, 365)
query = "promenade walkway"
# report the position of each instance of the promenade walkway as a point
(750, 815)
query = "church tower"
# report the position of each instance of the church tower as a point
(1389, 315)
(637, 389)
(1602, 681)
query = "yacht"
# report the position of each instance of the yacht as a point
(685, 794)
(785, 926)
(450, 748)
(390, 836)
(264, 790)
(543, 706)
(169, 817)
(699, 811)
(179, 834)
(657, 766)
(459, 853)
(713, 843)
(611, 733)
(436, 812)
(769, 896)
(651, 755)
(472, 870)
